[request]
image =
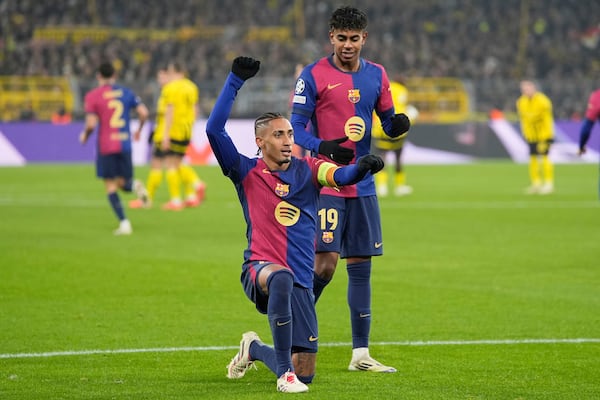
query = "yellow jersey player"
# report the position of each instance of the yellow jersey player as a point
(537, 126)
(180, 97)
(383, 144)
(157, 160)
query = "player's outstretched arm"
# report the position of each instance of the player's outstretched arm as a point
(225, 151)
(351, 174)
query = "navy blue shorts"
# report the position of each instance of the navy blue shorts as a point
(541, 148)
(305, 331)
(349, 226)
(112, 166)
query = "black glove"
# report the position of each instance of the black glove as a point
(370, 162)
(245, 67)
(400, 125)
(337, 153)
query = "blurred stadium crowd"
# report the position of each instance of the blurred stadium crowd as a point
(488, 44)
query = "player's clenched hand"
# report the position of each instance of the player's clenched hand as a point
(82, 138)
(245, 67)
(400, 125)
(370, 162)
(337, 153)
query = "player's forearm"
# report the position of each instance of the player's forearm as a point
(220, 142)
(222, 109)
(348, 175)
(301, 136)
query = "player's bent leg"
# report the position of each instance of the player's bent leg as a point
(325, 264)
(305, 365)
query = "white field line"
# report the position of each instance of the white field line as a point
(338, 344)
(49, 201)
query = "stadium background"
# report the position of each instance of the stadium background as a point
(462, 60)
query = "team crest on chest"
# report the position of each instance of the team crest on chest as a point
(282, 190)
(354, 95)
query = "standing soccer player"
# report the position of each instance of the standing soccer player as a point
(157, 160)
(180, 97)
(337, 95)
(108, 107)
(382, 144)
(592, 114)
(279, 195)
(537, 126)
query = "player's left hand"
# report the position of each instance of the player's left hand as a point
(82, 138)
(371, 163)
(400, 125)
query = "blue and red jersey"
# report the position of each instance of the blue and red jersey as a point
(592, 114)
(593, 108)
(113, 105)
(338, 104)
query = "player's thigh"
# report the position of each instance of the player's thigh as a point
(254, 281)
(124, 166)
(362, 236)
(107, 166)
(331, 221)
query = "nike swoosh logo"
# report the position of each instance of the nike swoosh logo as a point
(266, 171)
(283, 323)
(330, 86)
(312, 338)
(362, 315)
(378, 245)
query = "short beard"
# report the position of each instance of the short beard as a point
(280, 163)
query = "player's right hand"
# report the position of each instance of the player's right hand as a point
(245, 67)
(370, 162)
(82, 138)
(337, 153)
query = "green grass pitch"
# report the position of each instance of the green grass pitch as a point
(482, 292)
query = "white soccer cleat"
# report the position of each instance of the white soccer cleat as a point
(124, 228)
(382, 190)
(547, 188)
(141, 193)
(289, 383)
(366, 363)
(533, 189)
(403, 190)
(241, 363)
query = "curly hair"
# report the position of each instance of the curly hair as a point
(348, 19)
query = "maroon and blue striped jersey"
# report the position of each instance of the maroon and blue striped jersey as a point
(113, 105)
(338, 104)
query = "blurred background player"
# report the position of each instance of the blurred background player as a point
(180, 97)
(383, 144)
(157, 160)
(108, 107)
(337, 94)
(592, 114)
(537, 126)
